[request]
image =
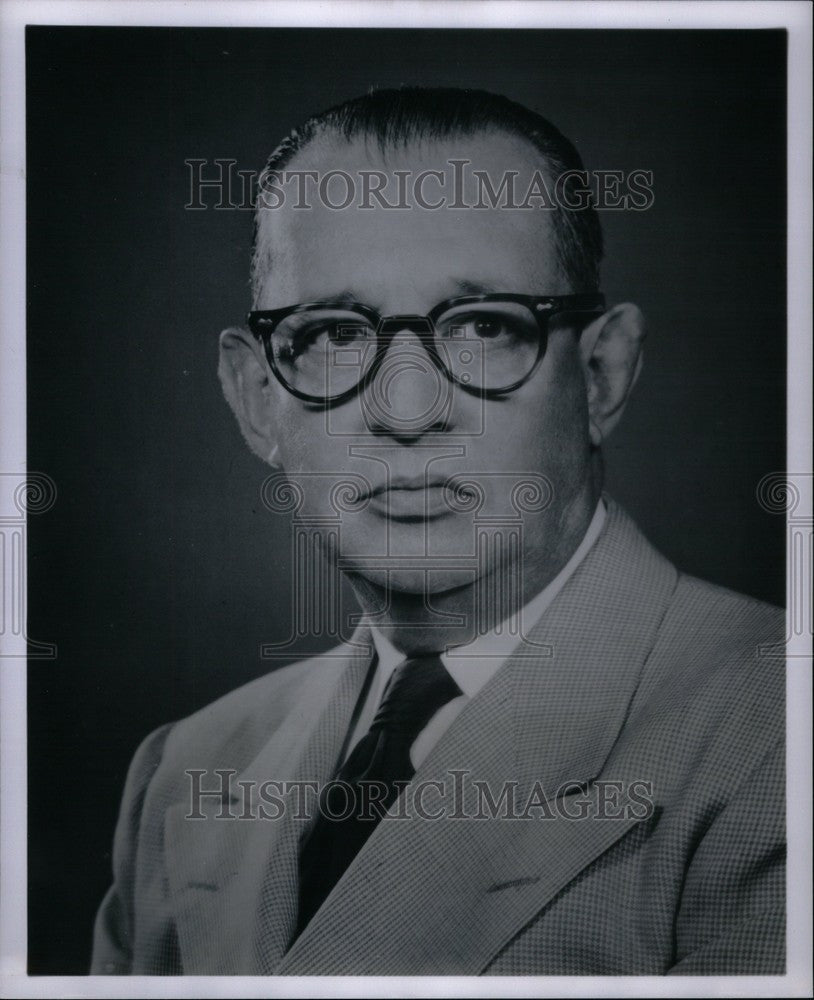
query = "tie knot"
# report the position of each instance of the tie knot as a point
(417, 689)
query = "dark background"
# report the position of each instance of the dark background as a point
(159, 573)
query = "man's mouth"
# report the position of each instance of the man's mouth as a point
(408, 484)
(411, 499)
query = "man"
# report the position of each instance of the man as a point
(544, 750)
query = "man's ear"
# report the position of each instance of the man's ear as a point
(611, 349)
(244, 377)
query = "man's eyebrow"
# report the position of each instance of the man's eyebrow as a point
(467, 287)
(463, 285)
(347, 295)
(460, 286)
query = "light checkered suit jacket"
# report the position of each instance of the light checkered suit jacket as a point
(652, 676)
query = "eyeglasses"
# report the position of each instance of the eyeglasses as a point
(489, 345)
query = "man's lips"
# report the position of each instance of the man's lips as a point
(411, 499)
(405, 484)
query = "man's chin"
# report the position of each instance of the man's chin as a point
(409, 558)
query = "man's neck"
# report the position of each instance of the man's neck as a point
(427, 622)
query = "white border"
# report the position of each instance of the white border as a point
(796, 17)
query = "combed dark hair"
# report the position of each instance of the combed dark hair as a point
(399, 117)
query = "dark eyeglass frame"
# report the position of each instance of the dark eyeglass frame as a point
(264, 322)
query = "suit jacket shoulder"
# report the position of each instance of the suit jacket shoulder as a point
(717, 664)
(227, 733)
(232, 730)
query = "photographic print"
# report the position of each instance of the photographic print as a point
(413, 556)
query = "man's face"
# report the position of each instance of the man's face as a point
(411, 430)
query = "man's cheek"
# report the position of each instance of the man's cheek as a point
(304, 445)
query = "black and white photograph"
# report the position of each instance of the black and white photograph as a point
(407, 499)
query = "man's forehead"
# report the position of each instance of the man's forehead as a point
(487, 148)
(310, 248)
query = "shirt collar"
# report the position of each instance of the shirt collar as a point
(474, 663)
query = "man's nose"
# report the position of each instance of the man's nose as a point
(408, 395)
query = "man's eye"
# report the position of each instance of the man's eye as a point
(344, 332)
(487, 327)
(483, 325)
(317, 336)
(293, 347)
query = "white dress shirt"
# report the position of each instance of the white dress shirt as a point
(470, 665)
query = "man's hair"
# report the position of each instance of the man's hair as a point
(402, 116)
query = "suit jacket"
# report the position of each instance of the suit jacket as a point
(635, 673)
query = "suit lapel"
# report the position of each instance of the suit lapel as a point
(444, 896)
(234, 881)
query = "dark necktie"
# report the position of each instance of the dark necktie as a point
(417, 689)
